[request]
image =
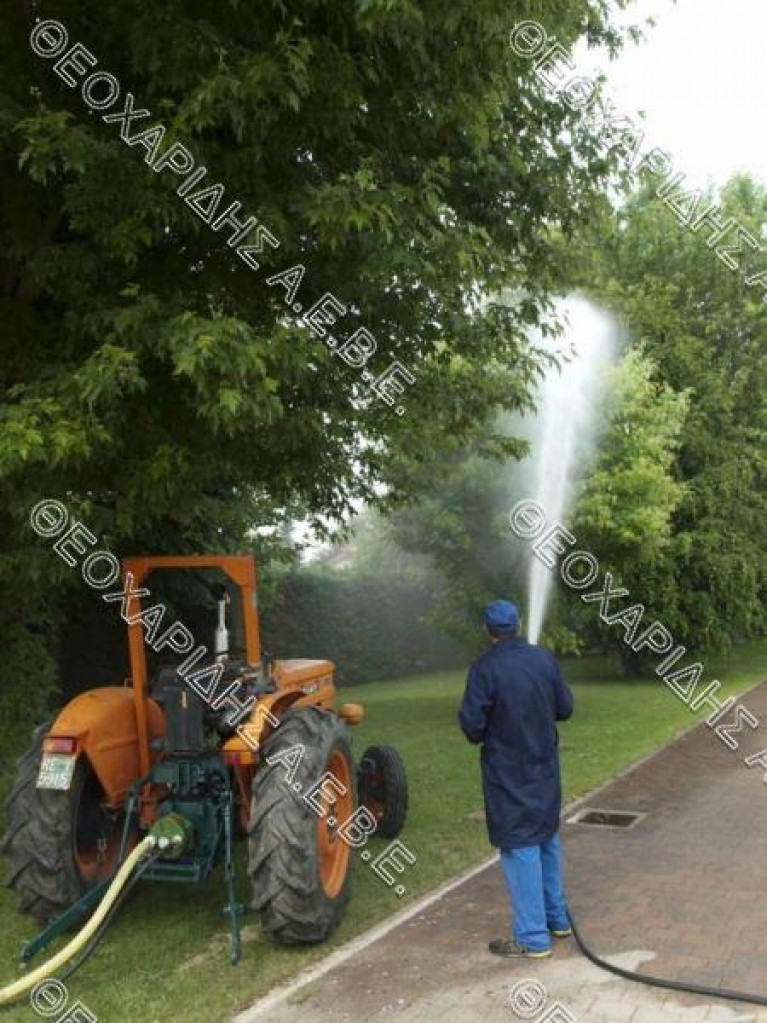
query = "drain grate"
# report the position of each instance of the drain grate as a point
(607, 818)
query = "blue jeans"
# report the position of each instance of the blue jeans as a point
(534, 880)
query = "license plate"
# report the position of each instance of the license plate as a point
(56, 771)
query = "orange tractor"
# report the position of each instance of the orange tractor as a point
(198, 749)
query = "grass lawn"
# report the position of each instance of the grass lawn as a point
(166, 955)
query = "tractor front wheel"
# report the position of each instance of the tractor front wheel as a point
(57, 844)
(383, 789)
(304, 790)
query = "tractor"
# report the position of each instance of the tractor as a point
(206, 749)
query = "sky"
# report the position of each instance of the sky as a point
(700, 79)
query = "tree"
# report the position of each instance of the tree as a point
(622, 510)
(626, 501)
(399, 157)
(458, 539)
(706, 331)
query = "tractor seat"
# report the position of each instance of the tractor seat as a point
(165, 676)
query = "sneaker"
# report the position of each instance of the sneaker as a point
(561, 932)
(511, 949)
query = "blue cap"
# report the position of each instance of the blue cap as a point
(502, 614)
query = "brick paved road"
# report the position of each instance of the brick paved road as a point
(681, 895)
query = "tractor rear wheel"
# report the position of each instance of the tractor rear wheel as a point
(299, 864)
(383, 789)
(57, 844)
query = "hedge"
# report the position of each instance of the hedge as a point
(370, 627)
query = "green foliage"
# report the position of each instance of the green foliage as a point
(462, 528)
(370, 626)
(27, 675)
(562, 639)
(399, 150)
(706, 333)
(622, 512)
(136, 329)
(625, 502)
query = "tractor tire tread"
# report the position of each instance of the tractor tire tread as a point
(395, 786)
(282, 861)
(37, 834)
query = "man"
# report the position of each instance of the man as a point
(514, 694)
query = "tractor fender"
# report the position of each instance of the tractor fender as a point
(259, 726)
(103, 721)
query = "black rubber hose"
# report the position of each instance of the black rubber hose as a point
(97, 938)
(671, 985)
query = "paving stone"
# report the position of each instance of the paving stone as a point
(615, 1012)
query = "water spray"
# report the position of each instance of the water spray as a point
(566, 425)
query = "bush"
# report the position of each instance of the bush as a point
(27, 673)
(369, 626)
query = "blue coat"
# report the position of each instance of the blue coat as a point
(514, 694)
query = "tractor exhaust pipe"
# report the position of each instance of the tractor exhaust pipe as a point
(221, 639)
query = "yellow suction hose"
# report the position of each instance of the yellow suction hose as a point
(26, 983)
